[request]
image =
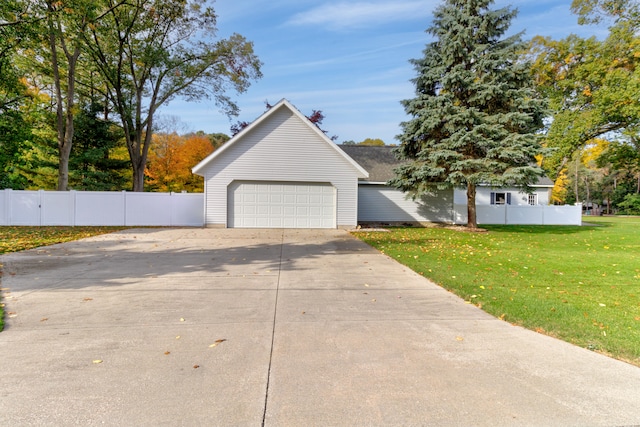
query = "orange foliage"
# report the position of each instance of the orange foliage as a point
(170, 160)
(560, 188)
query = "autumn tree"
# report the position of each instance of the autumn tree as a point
(592, 85)
(372, 142)
(170, 161)
(194, 150)
(163, 162)
(475, 113)
(150, 51)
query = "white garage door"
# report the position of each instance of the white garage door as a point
(254, 204)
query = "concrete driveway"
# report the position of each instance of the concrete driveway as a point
(278, 328)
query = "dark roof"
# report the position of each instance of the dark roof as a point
(380, 162)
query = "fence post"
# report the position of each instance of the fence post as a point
(71, 203)
(7, 206)
(579, 209)
(124, 206)
(172, 201)
(40, 207)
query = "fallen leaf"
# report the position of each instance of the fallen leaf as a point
(459, 339)
(221, 341)
(178, 337)
(167, 353)
(44, 319)
(196, 366)
(97, 361)
(87, 299)
(182, 319)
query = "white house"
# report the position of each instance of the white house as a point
(379, 203)
(282, 171)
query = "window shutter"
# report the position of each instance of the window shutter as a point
(493, 198)
(508, 198)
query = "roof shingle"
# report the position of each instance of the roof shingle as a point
(380, 162)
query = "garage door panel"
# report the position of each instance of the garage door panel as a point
(281, 205)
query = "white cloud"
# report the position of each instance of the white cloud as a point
(353, 57)
(346, 15)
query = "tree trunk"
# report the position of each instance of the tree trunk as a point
(64, 113)
(63, 167)
(138, 177)
(64, 149)
(63, 163)
(139, 151)
(471, 206)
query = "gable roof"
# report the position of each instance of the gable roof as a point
(380, 162)
(197, 169)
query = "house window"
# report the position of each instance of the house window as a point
(533, 199)
(500, 198)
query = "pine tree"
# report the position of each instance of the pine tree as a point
(475, 113)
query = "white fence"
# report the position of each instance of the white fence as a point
(522, 215)
(100, 208)
(182, 209)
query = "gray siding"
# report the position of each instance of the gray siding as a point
(282, 148)
(380, 203)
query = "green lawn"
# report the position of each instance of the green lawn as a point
(579, 284)
(13, 239)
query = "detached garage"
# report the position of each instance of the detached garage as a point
(281, 171)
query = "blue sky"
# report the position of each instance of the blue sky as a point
(347, 58)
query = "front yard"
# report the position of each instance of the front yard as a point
(579, 284)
